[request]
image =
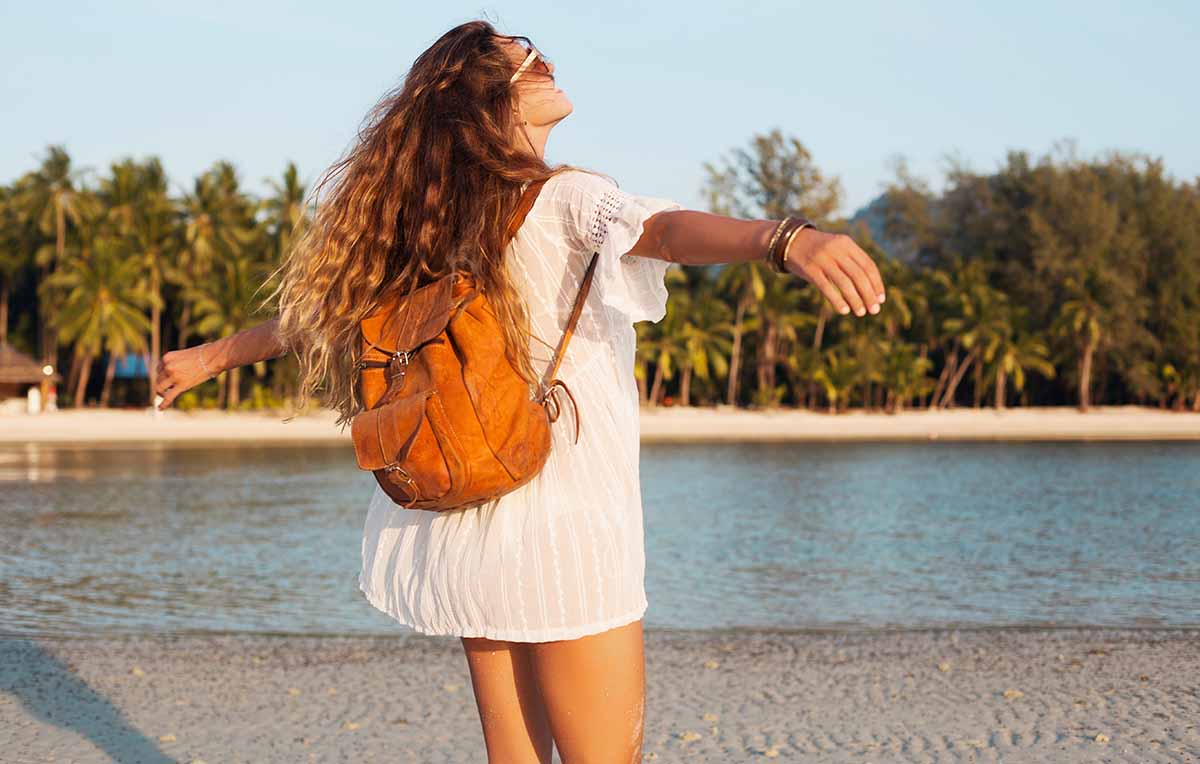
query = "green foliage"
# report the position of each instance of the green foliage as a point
(1049, 281)
(122, 265)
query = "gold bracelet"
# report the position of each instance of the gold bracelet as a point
(773, 257)
(779, 256)
(781, 265)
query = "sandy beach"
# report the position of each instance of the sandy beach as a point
(658, 425)
(946, 695)
(1023, 696)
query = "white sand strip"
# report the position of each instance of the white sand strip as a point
(658, 424)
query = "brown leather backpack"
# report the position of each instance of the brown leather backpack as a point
(447, 421)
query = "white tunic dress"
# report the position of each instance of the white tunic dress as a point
(561, 556)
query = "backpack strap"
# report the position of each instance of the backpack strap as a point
(549, 382)
(524, 204)
(556, 383)
(576, 309)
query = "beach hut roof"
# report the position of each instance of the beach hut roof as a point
(16, 367)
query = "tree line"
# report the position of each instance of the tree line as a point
(1049, 281)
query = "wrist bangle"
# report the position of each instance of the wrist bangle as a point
(203, 364)
(781, 263)
(777, 254)
(773, 257)
(772, 245)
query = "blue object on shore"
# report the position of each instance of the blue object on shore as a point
(131, 366)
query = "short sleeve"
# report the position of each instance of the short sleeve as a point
(603, 218)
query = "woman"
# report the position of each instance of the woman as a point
(544, 585)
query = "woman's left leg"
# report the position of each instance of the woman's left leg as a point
(515, 726)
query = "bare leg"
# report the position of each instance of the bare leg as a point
(515, 727)
(594, 691)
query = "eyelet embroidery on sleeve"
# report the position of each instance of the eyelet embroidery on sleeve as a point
(606, 212)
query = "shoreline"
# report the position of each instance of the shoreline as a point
(1188, 631)
(658, 425)
(1064, 696)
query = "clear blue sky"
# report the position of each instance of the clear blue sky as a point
(658, 87)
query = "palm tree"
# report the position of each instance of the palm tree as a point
(663, 344)
(1084, 244)
(993, 322)
(800, 366)
(1012, 355)
(223, 307)
(745, 283)
(287, 215)
(866, 343)
(704, 331)
(904, 373)
(50, 196)
(102, 307)
(137, 200)
(779, 318)
(219, 225)
(838, 374)
(979, 312)
(15, 249)
(772, 178)
(1081, 321)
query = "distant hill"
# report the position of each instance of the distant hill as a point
(873, 216)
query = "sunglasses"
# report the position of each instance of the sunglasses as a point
(534, 60)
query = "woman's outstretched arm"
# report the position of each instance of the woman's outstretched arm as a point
(181, 370)
(844, 273)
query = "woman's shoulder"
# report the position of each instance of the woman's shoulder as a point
(572, 199)
(574, 183)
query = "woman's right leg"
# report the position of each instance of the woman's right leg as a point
(594, 692)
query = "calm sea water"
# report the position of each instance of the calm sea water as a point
(811, 535)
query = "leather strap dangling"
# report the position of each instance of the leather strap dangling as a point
(557, 410)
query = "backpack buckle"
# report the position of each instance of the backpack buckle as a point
(399, 360)
(407, 479)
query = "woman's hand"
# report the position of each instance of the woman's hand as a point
(180, 370)
(845, 274)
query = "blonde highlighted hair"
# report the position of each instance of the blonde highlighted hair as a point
(425, 190)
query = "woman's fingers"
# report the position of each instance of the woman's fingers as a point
(170, 397)
(867, 264)
(862, 282)
(164, 376)
(846, 287)
(818, 278)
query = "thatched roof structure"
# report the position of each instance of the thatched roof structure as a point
(18, 368)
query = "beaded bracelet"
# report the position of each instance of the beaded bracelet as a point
(775, 237)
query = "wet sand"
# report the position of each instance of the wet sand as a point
(664, 424)
(1061, 696)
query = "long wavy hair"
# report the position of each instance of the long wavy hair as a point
(425, 190)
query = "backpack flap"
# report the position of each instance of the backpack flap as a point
(383, 435)
(408, 321)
